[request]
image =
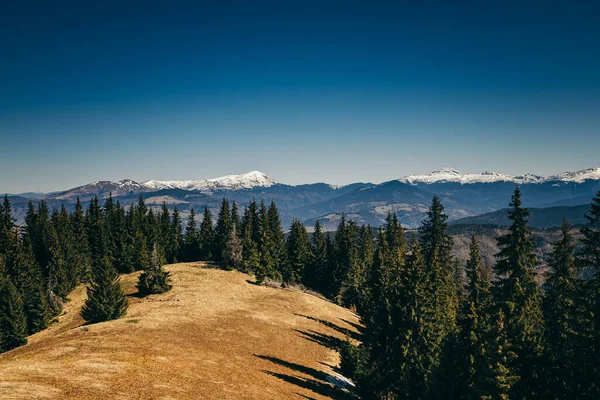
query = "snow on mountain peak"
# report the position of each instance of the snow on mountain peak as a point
(229, 182)
(446, 175)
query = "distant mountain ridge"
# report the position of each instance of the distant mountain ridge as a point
(463, 195)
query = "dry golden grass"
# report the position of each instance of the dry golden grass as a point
(214, 336)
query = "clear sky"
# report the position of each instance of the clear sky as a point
(305, 91)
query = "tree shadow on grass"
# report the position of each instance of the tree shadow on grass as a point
(329, 341)
(358, 327)
(344, 331)
(316, 381)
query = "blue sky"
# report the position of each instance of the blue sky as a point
(335, 91)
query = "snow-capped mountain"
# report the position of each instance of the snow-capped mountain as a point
(447, 175)
(229, 182)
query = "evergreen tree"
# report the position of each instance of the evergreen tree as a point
(440, 266)
(154, 279)
(176, 241)
(207, 236)
(7, 224)
(474, 326)
(277, 239)
(105, 300)
(192, 238)
(13, 323)
(317, 275)
(251, 256)
(141, 258)
(298, 253)
(235, 216)
(265, 245)
(590, 261)
(82, 251)
(234, 250)
(222, 230)
(516, 295)
(563, 321)
(498, 379)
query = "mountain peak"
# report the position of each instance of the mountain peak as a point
(248, 180)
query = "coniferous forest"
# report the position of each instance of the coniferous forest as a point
(433, 328)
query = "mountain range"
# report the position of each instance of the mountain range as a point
(463, 195)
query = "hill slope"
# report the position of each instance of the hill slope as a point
(214, 336)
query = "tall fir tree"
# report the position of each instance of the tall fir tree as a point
(316, 277)
(590, 261)
(222, 230)
(298, 253)
(277, 239)
(176, 242)
(474, 327)
(563, 318)
(517, 296)
(207, 236)
(13, 323)
(191, 238)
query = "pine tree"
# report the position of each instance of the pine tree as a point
(234, 256)
(474, 327)
(106, 300)
(590, 261)
(141, 258)
(317, 276)
(175, 246)
(440, 266)
(7, 223)
(265, 245)
(563, 320)
(235, 216)
(207, 236)
(277, 239)
(13, 323)
(516, 295)
(251, 256)
(154, 279)
(298, 253)
(192, 238)
(222, 230)
(498, 379)
(79, 230)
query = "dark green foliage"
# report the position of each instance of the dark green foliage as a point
(13, 323)
(298, 253)
(563, 318)
(590, 261)
(106, 300)
(207, 236)
(154, 279)
(317, 271)
(517, 296)
(175, 239)
(277, 239)
(222, 231)
(191, 239)
(474, 323)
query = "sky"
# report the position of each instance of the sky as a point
(332, 91)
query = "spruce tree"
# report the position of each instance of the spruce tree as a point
(317, 276)
(234, 256)
(298, 253)
(176, 243)
(222, 230)
(192, 238)
(277, 239)
(235, 216)
(79, 230)
(474, 326)
(13, 323)
(590, 261)
(440, 266)
(106, 300)
(207, 235)
(517, 296)
(265, 245)
(141, 258)
(563, 321)
(154, 279)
